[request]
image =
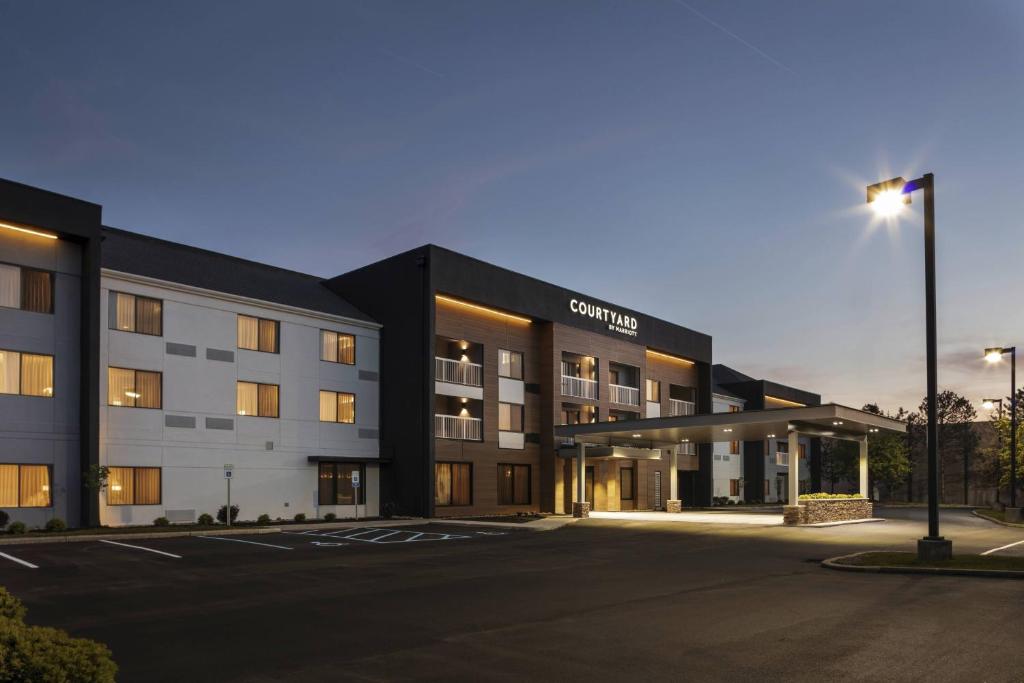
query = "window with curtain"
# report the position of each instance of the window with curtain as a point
(734, 448)
(257, 400)
(626, 488)
(513, 484)
(139, 314)
(134, 486)
(335, 485)
(337, 347)
(510, 417)
(803, 451)
(653, 390)
(510, 364)
(28, 374)
(337, 406)
(258, 334)
(127, 388)
(453, 483)
(734, 487)
(29, 289)
(25, 486)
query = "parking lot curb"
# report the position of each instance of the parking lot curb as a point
(536, 525)
(997, 521)
(820, 525)
(834, 563)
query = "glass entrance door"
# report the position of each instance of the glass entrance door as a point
(588, 486)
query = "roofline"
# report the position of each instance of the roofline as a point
(235, 298)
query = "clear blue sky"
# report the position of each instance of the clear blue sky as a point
(701, 161)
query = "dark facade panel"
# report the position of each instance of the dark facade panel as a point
(182, 421)
(220, 423)
(175, 349)
(221, 355)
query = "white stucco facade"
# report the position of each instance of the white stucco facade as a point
(197, 430)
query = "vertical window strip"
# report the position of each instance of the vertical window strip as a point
(329, 346)
(120, 486)
(443, 483)
(36, 375)
(248, 398)
(149, 389)
(124, 317)
(346, 349)
(268, 400)
(149, 316)
(346, 408)
(34, 486)
(147, 485)
(268, 336)
(8, 486)
(121, 387)
(328, 406)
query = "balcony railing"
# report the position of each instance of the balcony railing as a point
(677, 407)
(782, 459)
(627, 396)
(456, 427)
(458, 372)
(579, 387)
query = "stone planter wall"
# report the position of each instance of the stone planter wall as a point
(816, 511)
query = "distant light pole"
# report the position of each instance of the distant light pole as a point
(994, 355)
(887, 199)
(990, 404)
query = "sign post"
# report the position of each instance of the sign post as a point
(355, 492)
(228, 471)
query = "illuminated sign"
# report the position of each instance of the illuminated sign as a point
(617, 322)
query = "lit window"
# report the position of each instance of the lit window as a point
(25, 486)
(133, 486)
(257, 400)
(134, 388)
(653, 391)
(510, 364)
(513, 484)
(510, 417)
(258, 334)
(28, 374)
(337, 347)
(337, 406)
(335, 484)
(139, 314)
(26, 288)
(453, 483)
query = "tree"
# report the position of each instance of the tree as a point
(955, 416)
(1002, 449)
(838, 461)
(888, 453)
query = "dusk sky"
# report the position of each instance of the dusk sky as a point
(700, 161)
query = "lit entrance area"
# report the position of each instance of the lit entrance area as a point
(658, 441)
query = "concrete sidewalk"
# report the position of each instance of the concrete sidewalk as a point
(745, 518)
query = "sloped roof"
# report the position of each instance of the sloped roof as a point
(130, 252)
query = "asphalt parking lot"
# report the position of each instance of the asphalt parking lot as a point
(597, 600)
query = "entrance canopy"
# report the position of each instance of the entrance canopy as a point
(832, 420)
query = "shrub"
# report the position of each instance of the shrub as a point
(55, 524)
(17, 528)
(10, 606)
(161, 521)
(330, 517)
(222, 514)
(39, 653)
(205, 519)
(828, 496)
(301, 517)
(4, 518)
(263, 519)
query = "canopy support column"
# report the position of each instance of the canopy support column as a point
(673, 504)
(581, 506)
(793, 480)
(864, 467)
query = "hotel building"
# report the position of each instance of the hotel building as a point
(479, 364)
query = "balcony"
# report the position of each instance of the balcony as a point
(677, 407)
(458, 372)
(782, 459)
(456, 427)
(627, 396)
(579, 387)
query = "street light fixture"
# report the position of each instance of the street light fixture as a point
(990, 404)
(887, 199)
(994, 355)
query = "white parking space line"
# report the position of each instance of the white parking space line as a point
(12, 558)
(381, 536)
(239, 540)
(1002, 547)
(141, 547)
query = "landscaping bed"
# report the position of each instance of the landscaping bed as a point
(909, 560)
(995, 516)
(819, 508)
(514, 519)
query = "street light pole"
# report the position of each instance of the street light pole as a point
(888, 198)
(994, 355)
(989, 404)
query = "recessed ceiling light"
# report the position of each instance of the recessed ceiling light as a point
(727, 429)
(637, 436)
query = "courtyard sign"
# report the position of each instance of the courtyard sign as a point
(617, 322)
